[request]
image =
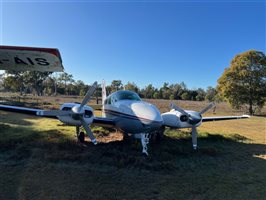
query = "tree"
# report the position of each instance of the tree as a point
(14, 80)
(148, 91)
(132, 86)
(1, 81)
(176, 90)
(156, 95)
(81, 88)
(185, 96)
(165, 90)
(210, 94)
(49, 86)
(116, 85)
(201, 94)
(66, 79)
(244, 82)
(35, 80)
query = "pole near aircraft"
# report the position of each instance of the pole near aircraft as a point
(16, 58)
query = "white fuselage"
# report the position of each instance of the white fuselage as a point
(133, 116)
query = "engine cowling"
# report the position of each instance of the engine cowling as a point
(174, 119)
(74, 118)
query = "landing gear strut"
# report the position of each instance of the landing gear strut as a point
(144, 137)
(80, 135)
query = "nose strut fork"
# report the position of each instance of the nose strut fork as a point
(144, 137)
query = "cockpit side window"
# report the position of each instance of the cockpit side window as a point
(109, 100)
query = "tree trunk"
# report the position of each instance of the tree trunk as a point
(65, 88)
(20, 91)
(250, 107)
(55, 88)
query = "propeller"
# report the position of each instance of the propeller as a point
(193, 118)
(77, 112)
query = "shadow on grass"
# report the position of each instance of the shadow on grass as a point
(34, 163)
(20, 144)
(16, 119)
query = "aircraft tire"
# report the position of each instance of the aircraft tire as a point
(160, 134)
(81, 137)
(126, 137)
(156, 137)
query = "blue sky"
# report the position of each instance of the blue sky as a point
(138, 41)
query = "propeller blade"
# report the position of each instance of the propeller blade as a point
(175, 107)
(53, 113)
(194, 137)
(88, 95)
(211, 105)
(88, 131)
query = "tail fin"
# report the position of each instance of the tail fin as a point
(103, 97)
(103, 92)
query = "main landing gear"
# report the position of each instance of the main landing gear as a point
(80, 135)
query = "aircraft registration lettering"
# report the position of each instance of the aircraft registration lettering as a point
(30, 60)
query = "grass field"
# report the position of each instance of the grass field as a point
(40, 159)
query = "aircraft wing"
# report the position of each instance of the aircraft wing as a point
(99, 121)
(208, 119)
(104, 122)
(23, 110)
(30, 59)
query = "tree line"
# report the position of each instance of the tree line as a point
(47, 83)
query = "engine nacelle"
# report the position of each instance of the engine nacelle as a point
(74, 119)
(174, 119)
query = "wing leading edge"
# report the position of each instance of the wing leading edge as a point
(209, 119)
(23, 110)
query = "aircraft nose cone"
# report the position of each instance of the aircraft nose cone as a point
(147, 113)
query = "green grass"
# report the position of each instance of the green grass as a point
(40, 159)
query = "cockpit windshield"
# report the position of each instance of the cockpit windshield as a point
(127, 95)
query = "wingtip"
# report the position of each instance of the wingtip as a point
(247, 116)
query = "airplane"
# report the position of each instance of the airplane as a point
(125, 111)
